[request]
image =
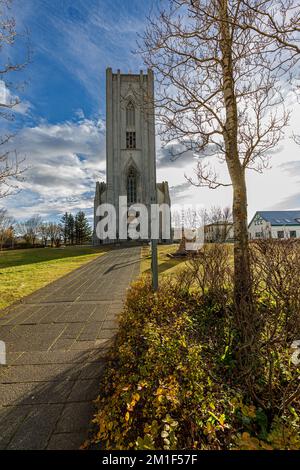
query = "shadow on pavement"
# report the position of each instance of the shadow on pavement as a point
(52, 414)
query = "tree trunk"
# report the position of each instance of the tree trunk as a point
(242, 272)
(244, 309)
(245, 312)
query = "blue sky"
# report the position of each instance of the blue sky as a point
(61, 122)
(73, 42)
(61, 131)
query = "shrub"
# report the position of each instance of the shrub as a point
(276, 286)
(276, 278)
(170, 381)
(212, 271)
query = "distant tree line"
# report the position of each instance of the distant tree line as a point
(71, 230)
(76, 230)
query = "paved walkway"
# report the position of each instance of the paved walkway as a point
(56, 340)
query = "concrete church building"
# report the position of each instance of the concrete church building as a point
(130, 145)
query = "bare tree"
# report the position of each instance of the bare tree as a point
(221, 220)
(189, 220)
(11, 166)
(30, 229)
(44, 233)
(6, 227)
(220, 71)
(55, 234)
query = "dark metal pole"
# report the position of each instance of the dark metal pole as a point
(154, 265)
(154, 261)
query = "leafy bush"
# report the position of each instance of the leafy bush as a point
(170, 382)
(276, 287)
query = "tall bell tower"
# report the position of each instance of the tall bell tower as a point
(130, 142)
(130, 137)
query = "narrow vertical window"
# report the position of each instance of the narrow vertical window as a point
(130, 140)
(130, 116)
(131, 187)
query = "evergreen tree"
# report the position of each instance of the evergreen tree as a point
(64, 227)
(71, 229)
(83, 230)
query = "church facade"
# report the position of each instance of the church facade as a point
(130, 146)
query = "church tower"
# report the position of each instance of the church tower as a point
(130, 143)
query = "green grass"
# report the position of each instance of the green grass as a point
(25, 271)
(166, 266)
(169, 266)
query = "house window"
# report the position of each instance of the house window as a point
(258, 235)
(293, 234)
(130, 140)
(280, 234)
(130, 115)
(131, 187)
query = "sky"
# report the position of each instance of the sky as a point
(60, 122)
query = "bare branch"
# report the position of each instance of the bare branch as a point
(11, 165)
(206, 177)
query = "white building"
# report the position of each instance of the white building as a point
(275, 224)
(219, 232)
(130, 145)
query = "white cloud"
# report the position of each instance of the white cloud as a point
(66, 159)
(63, 162)
(276, 188)
(7, 98)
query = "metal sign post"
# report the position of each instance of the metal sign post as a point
(154, 265)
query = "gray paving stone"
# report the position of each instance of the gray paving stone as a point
(35, 431)
(53, 316)
(12, 358)
(62, 344)
(30, 337)
(35, 393)
(57, 340)
(83, 345)
(107, 334)
(98, 315)
(39, 373)
(90, 331)
(110, 324)
(67, 441)
(76, 314)
(75, 417)
(91, 371)
(10, 420)
(11, 315)
(72, 331)
(113, 316)
(36, 314)
(52, 357)
(84, 390)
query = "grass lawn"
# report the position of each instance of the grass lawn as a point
(25, 271)
(166, 266)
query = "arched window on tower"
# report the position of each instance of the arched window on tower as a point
(130, 116)
(130, 126)
(131, 186)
